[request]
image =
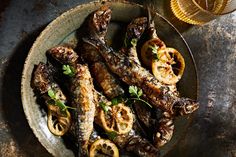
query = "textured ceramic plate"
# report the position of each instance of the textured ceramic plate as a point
(63, 30)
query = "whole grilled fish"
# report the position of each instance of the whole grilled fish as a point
(84, 101)
(133, 74)
(98, 24)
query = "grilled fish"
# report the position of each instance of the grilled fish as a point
(98, 24)
(133, 74)
(84, 101)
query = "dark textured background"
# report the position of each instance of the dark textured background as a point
(213, 132)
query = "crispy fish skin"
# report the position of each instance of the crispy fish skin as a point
(43, 82)
(63, 54)
(106, 81)
(134, 143)
(133, 74)
(165, 130)
(84, 101)
(134, 32)
(97, 25)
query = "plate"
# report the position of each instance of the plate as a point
(63, 30)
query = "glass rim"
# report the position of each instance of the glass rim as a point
(208, 12)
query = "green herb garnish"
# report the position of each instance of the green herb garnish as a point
(116, 100)
(134, 42)
(154, 51)
(137, 93)
(68, 70)
(58, 102)
(111, 135)
(104, 106)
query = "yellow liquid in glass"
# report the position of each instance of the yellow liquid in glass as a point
(197, 11)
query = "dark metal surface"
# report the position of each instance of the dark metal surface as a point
(213, 132)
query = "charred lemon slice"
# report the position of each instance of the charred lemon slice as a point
(103, 148)
(58, 122)
(169, 66)
(149, 50)
(119, 119)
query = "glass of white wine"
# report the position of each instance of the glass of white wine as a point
(199, 12)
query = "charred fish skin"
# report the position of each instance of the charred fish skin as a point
(97, 25)
(134, 143)
(133, 33)
(165, 130)
(84, 101)
(133, 74)
(98, 22)
(43, 82)
(136, 28)
(106, 81)
(63, 54)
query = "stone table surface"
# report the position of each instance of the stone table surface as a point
(213, 131)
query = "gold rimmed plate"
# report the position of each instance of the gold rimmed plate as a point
(63, 30)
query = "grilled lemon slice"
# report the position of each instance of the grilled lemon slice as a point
(103, 148)
(149, 50)
(169, 66)
(58, 122)
(119, 119)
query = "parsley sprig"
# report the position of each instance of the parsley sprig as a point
(136, 93)
(68, 70)
(104, 106)
(58, 102)
(154, 51)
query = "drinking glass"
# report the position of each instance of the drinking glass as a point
(199, 12)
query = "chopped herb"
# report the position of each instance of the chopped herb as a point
(68, 70)
(116, 100)
(104, 106)
(154, 51)
(51, 94)
(111, 135)
(134, 42)
(57, 102)
(136, 92)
